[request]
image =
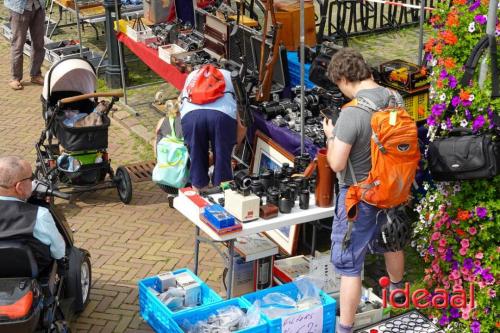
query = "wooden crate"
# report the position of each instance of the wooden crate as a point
(288, 13)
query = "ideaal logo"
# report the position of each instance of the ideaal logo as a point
(422, 298)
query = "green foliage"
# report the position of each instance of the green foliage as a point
(459, 224)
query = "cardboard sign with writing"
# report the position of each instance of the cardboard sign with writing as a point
(304, 322)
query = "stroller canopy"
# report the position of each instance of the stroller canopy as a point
(72, 74)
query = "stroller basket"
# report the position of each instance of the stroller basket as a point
(88, 174)
(83, 138)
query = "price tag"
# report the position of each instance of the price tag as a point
(304, 322)
(392, 118)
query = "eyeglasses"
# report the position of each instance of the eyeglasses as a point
(31, 178)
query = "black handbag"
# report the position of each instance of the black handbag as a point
(464, 156)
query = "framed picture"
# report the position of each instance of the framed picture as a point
(285, 237)
(268, 155)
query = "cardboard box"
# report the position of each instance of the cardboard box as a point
(404, 75)
(165, 52)
(141, 35)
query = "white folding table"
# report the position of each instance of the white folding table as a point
(298, 216)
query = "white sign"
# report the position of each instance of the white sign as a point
(304, 322)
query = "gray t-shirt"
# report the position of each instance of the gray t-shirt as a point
(353, 127)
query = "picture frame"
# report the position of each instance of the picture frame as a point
(268, 154)
(286, 237)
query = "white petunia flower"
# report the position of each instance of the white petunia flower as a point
(471, 97)
(472, 27)
(443, 126)
(463, 123)
(434, 62)
(442, 97)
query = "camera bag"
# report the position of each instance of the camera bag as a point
(465, 155)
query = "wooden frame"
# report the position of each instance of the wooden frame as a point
(286, 238)
(274, 155)
(271, 155)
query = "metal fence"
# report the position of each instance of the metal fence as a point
(341, 19)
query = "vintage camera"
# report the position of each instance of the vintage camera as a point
(242, 182)
(190, 42)
(166, 32)
(272, 109)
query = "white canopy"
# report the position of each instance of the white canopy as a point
(70, 75)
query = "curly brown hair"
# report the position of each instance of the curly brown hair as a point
(349, 64)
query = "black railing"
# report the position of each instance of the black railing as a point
(347, 18)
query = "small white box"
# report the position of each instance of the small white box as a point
(165, 281)
(139, 36)
(165, 52)
(193, 295)
(184, 279)
(243, 208)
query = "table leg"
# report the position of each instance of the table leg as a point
(196, 249)
(230, 271)
(313, 243)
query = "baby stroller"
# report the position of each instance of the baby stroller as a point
(32, 300)
(79, 161)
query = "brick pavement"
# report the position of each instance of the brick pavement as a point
(127, 243)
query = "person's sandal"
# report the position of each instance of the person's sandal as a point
(15, 85)
(37, 80)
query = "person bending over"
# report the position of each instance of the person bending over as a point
(214, 125)
(23, 221)
(349, 140)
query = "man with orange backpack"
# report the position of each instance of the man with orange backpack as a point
(373, 148)
(209, 119)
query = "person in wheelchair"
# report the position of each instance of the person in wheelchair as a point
(20, 220)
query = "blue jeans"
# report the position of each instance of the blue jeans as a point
(349, 261)
(201, 127)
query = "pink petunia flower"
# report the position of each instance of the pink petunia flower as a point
(479, 255)
(492, 293)
(435, 236)
(463, 251)
(442, 242)
(454, 275)
(472, 230)
(464, 242)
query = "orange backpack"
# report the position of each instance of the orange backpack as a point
(207, 86)
(395, 155)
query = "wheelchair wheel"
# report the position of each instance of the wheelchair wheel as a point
(60, 326)
(85, 279)
(124, 185)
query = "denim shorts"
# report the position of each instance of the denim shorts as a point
(365, 231)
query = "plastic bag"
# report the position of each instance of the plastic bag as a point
(225, 320)
(277, 304)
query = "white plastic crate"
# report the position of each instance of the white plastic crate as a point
(165, 52)
(369, 317)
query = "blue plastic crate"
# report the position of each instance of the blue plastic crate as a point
(203, 312)
(294, 70)
(289, 289)
(159, 315)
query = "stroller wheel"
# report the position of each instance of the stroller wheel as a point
(123, 185)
